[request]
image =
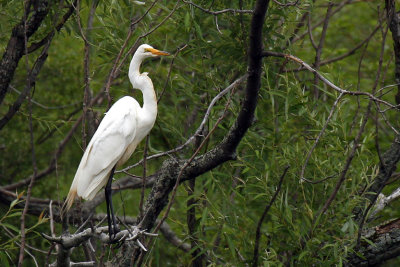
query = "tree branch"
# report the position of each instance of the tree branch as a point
(258, 230)
(225, 151)
(393, 20)
(34, 72)
(16, 45)
(383, 244)
(326, 81)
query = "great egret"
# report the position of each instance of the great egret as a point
(120, 131)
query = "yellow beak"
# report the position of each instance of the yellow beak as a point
(157, 52)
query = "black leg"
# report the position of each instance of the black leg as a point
(112, 225)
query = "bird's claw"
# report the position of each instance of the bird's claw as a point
(113, 231)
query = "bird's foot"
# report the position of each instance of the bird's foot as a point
(112, 233)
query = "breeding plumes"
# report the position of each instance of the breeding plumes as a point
(123, 127)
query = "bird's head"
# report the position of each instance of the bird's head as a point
(146, 50)
(143, 51)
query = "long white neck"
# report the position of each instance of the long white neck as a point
(134, 67)
(144, 84)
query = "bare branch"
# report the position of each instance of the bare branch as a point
(58, 27)
(100, 233)
(32, 147)
(393, 20)
(199, 129)
(258, 230)
(187, 163)
(383, 245)
(326, 81)
(16, 45)
(167, 232)
(42, 105)
(224, 151)
(339, 6)
(318, 138)
(319, 48)
(294, 3)
(33, 73)
(383, 201)
(215, 13)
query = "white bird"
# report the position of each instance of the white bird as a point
(120, 131)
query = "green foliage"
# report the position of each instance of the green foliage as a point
(10, 235)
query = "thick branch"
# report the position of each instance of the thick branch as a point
(31, 82)
(58, 27)
(388, 165)
(225, 151)
(393, 20)
(16, 45)
(384, 245)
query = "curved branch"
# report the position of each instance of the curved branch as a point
(215, 13)
(33, 73)
(16, 45)
(158, 197)
(326, 81)
(58, 27)
(199, 129)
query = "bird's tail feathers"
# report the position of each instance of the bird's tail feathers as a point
(68, 202)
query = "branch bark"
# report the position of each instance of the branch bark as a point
(16, 45)
(393, 20)
(13, 54)
(34, 72)
(226, 150)
(385, 245)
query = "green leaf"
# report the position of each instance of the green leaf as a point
(231, 245)
(198, 30)
(13, 203)
(10, 226)
(302, 254)
(187, 22)
(4, 259)
(14, 214)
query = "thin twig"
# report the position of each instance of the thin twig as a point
(294, 3)
(310, 35)
(215, 13)
(340, 57)
(258, 230)
(326, 81)
(86, 72)
(339, 7)
(135, 45)
(146, 146)
(170, 71)
(356, 140)
(353, 123)
(318, 138)
(199, 129)
(174, 190)
(42, 105)
(319, 49)
(33, 154)
(188, 163)
(58, 27)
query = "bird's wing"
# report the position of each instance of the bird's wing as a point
(113, 136)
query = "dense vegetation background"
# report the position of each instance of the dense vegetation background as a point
(323, 145)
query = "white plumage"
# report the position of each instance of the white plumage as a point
(120, 131)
